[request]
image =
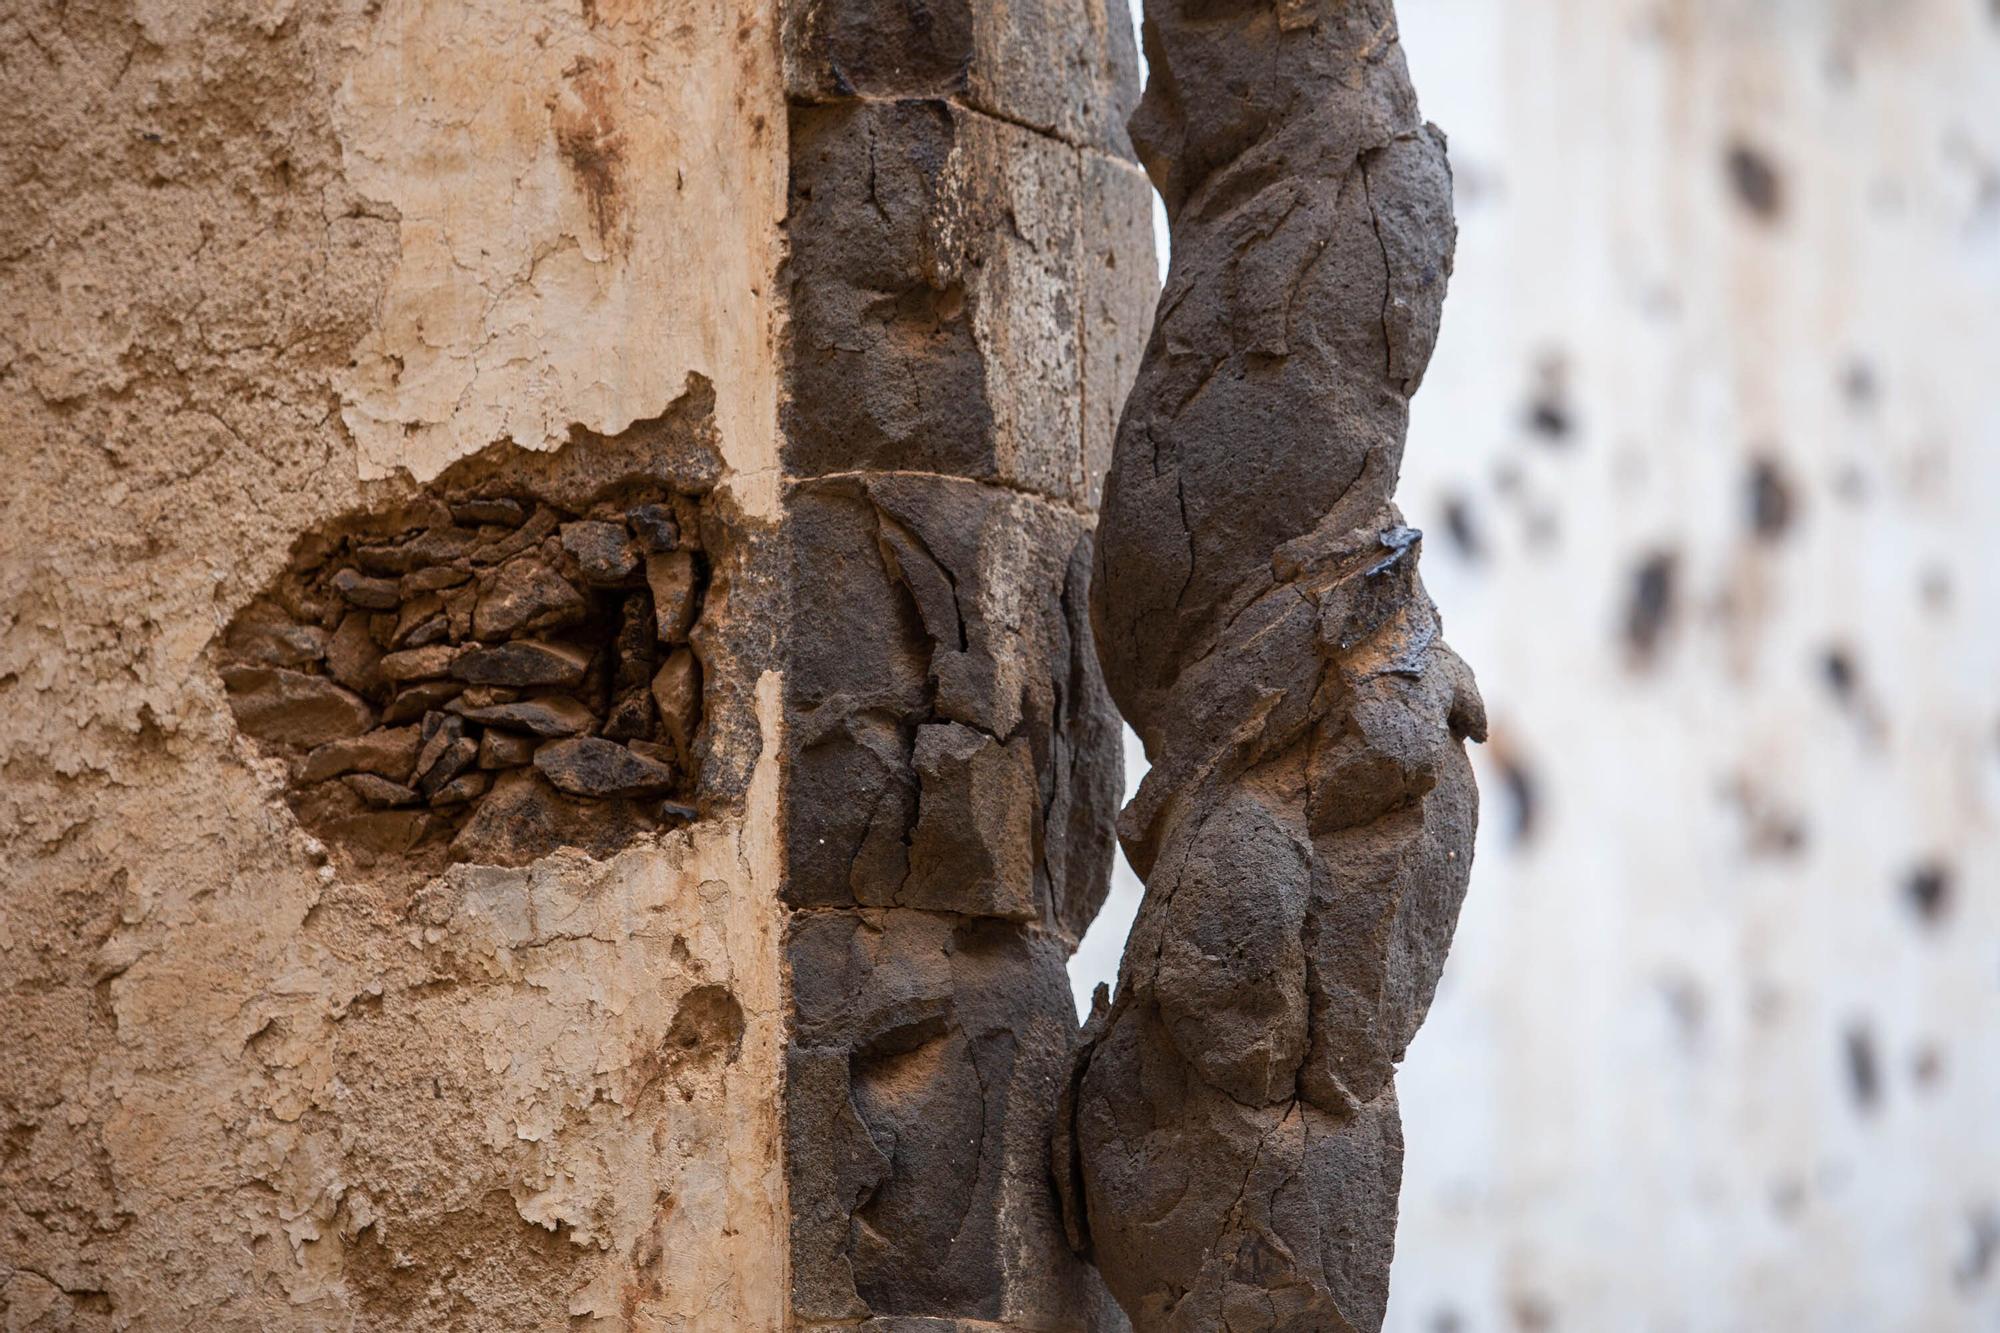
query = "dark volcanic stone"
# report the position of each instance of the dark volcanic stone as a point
(372, 594)
(525, 595)
(593, 766)
(631, 716)
(457, 757)
(555, 715)
(655, 527)
(465, 787)
(293, 708)
(522, 662)
(523, 818)
(604, 552)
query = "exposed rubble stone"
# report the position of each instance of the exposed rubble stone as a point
(593, 766)
(1230, 1151)
(389, 666)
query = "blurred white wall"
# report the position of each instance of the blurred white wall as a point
(1709, 464)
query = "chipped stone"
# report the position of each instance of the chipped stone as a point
(522, 662)
(525, 594)
(593, 766)
(427, 663)
(656, 527)
(389, 752)
(671, 578)
(604, 552)
(357, 589)
(501, 749)
(497, 509)
(293, 708)
(379, 791)
(676, 691)
(414, 701)
(554, 715)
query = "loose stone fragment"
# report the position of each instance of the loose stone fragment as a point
(293, 708)
(496, 510)
(631, 716)
(523, 817)
(433, 578)
(435, 547)
(525, 595)
(457, 757)
(539, 525)
(415, 620)
(677, 695)
(262, 633)
(418, 664)
(372, 594)
(671, 578)
(555, 715)
(482, 696)
(379, 790)
(593, 766)
(439, 731)
(500, 749)
(603, 551)
(390, 752)
(458, 607)
(465, 787)
(522, 662)
(416, 700)
(655, 527)
(351, 655)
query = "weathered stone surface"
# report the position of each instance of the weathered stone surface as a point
(379, 790)
(370, 594)
(605, 552)
(389, 752)
(293, 708)
(676, 691)
(264, 635)
(494, 509)
(428, 663)
(500, 749)
(414, 701)
(522, 662)
(1231, 1149)
(655, 527)
(553, 715)
(525, 595)
(352, 656)
(523, 818)
(454, 759)
(433, 578)
(461, 789)
(977, 838)
(593, 766)
(671, 579)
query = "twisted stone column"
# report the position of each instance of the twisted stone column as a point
(1233, 1148)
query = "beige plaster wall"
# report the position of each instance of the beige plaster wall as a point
(258, 261)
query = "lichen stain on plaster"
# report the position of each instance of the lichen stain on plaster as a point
(582, 223)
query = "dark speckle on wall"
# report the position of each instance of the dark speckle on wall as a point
(1756, 182)
(1773, 503)
(1928, 890)
(1864, 1070)
(1649, 607)
(1837, 667)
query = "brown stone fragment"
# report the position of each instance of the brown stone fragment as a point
(414, 627)
(293, 708)
(539, 525)
(605, 552)
(389, 752)
(357, 589)
(434, 547)
(465, 787)
(482, 696)
(433, 578)
(523, 818)
(351, 654)
(593, 766)
(458, 607)
(552, 715)
(428, 663)
(655, 527)
(379, 834)
(264, 635)
(524, 595)
(677, 695)
(671, 579)
(414, 701)
(631, 716)
(454, 759)
(501, 749)
(522, 662)
(497, 509)
(379, 791)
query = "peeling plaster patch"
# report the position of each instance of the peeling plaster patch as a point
(580, 225)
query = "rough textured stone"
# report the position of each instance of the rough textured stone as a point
(671, 579)
(676, 689)
(605, 552)
(264, 635)
(379, 790)
(500, 749)
(522, 817)
(429, 663)
(1231, 1148)
(525, 595)
(655, 526)
(554, 715)
(389, 752)
(293, 708)
(593, 766)
(522, 662)
(369, 594)
(975, 844)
